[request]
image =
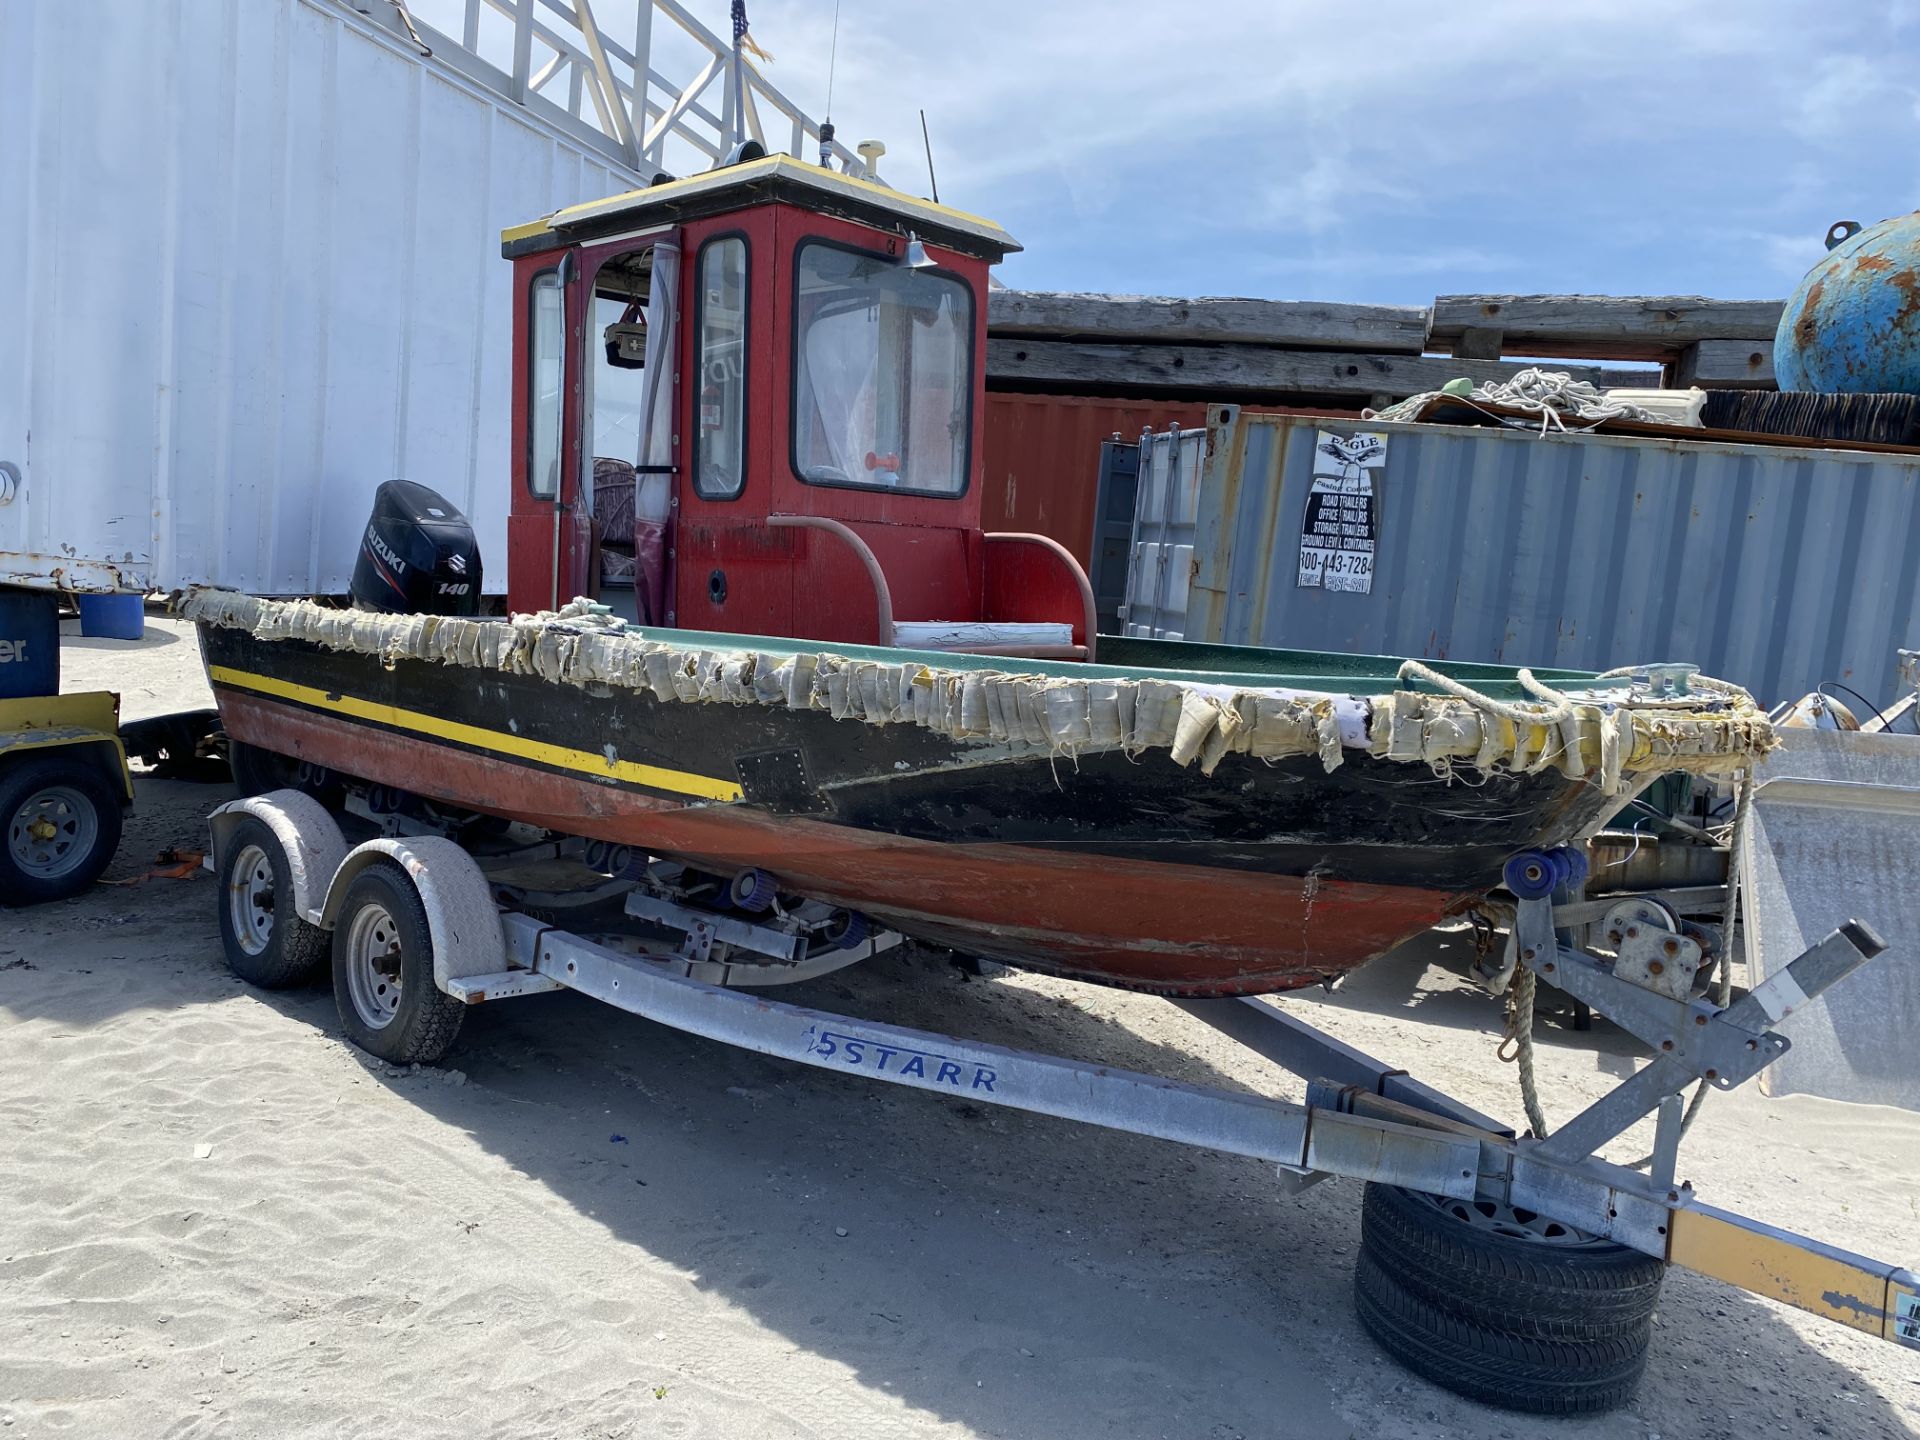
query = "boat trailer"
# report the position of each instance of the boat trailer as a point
(492, 939)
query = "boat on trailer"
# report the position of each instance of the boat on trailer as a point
(748, 437)
(801, 705)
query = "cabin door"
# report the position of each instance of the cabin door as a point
(731, 570)
(629, 387)
(596, 354)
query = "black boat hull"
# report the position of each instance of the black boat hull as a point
(1264, 875)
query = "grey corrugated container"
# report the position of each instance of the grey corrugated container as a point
(1772, 566)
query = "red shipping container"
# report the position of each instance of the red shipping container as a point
(1043, 459)
(1043, 456)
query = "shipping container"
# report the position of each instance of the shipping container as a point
(1043, 459)
(1160, 563)
(251, 268)
(1777, 567)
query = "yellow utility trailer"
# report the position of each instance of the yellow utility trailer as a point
(64, 788)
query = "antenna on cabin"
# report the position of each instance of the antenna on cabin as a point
(929, 144)
(826, 125)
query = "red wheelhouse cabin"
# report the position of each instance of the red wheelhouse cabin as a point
(751, 402)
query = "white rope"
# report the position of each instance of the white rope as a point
(1554, 395)
(1518, 1048)
(1558, 707)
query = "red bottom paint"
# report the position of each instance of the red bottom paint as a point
(1170, 929)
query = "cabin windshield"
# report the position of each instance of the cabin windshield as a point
(883, 373)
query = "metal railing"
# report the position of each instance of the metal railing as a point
(554, 58)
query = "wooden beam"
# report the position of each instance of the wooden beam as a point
(1602, 327)
(1218, 371)
(1727, 365)
(1306, 324)
(1478, 343)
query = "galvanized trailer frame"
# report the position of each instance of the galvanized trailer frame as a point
(1361, 1118)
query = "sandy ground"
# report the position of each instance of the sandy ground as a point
(217, 1219)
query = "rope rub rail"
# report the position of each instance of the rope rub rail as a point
(1614, 739)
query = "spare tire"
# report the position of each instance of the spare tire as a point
(1509, 1269)
(1516, 1372)
(1502, 1305)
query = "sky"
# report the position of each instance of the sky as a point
(1385, 152)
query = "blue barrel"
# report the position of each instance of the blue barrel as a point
(29, 644)
(1853, 326)
(113, 617)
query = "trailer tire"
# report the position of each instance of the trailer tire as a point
(383, 971)
(63, 791)
(267, 943)
(1508, 1270)
(259, 771)
(1515, 1372)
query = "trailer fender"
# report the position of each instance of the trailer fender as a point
(311, 837)
(86, 723)
(461, 915)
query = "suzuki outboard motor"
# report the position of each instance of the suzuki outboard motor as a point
(418, 556)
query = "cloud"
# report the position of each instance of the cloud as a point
(1380, 152)
(1443, 262)
(1849, 97)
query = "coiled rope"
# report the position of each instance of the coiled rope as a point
(1554, 395)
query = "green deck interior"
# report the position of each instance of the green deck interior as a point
(1131, 658)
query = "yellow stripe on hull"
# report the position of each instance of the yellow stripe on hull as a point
(654, 777)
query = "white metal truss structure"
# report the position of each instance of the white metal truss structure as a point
(285, 217)
(615, 92)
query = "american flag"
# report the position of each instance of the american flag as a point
(741, 38)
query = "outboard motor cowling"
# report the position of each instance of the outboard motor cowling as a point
(418, 555)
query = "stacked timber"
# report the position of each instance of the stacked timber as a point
(1715, 344)
(1300, 351)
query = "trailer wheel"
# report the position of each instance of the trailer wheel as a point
(1516, 1372)
(257, 771)
(1509, 1270)
(59, 825)
(383, 971)
(267, 942)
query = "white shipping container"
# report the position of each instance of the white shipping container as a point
(249, 269)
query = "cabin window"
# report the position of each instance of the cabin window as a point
(619, 394)
(883, 373)
(545, 392)
(720, 396)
